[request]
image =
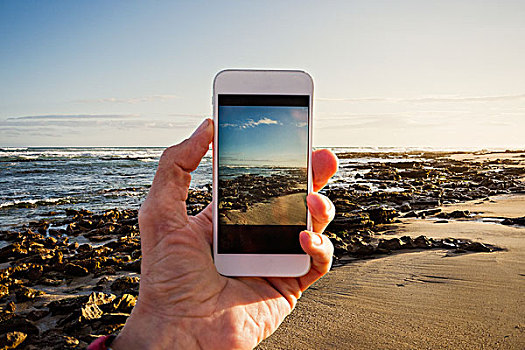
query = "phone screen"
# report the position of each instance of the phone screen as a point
(262, 173)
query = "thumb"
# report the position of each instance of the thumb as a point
(178, 161)
(165, 204)
(189, 152)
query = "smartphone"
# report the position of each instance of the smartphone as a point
(262, 172)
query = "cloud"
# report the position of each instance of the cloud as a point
(74, 116)
(363, 99)
(428, 99)
(202, 115)
(90, 121)
(250, 123)
(131, 100)
(384, 121)
(17, 132)
(263, 121)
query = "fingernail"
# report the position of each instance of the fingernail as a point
(328, 203)
(316, 240)
(201, 127)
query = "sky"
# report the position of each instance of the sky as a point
(386, 73)
(259, 136)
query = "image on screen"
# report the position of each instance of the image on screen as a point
(262, 173)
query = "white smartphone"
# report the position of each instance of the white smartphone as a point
(262, 154)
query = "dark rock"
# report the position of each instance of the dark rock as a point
(456, 214)
(103, 281)
(360, 187)
(36, 315)
(125, 303)
(448, 243)
(84, 248)
(57, 258)
(382, 251)
(383, 174)
(75, 270)
(73, 246)
(459, 214)
(89, 312)
(347, 221)
(382, 215)
(125, 283)
(344, 205)
(110, 270)
(99, 298)
(30, 271)
(55, 339)
(5, 315)
(411, 214)
(514, 221)
(12, 340)
(422, 242)
(476, 247)
(415, 173)
(50, 282)
(405, 207)
(10, 307)
(425, 202)
(364, 249)
(390, 244)
(66, 305)
(115, 318)
(407, 242)
(26, 294)
(4, 291)
(428, 212)
(133, 266)
(20, 324)
(98, 238)
(51, 242)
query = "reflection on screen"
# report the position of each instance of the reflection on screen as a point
(262, 168)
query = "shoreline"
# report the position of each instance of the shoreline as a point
(407, 239)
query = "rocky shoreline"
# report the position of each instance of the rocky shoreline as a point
(414, 184)
(241, 192)
(64, 282)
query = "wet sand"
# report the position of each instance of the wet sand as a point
(429, 299)
(491, 156)
(286, 210)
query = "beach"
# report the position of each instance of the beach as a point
(427, 299)
(271, 211)
(276, 198)
(429, 253)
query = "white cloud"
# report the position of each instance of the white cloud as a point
(250, 123)
(131, 100)
(74, 116)
(89, 121)
(426, 99)
(262, 121)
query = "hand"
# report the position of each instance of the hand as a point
(183, 301)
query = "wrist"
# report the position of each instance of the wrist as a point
(145, 330)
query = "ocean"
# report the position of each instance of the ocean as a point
(36, 181)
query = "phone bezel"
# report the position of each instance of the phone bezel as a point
(260, 82)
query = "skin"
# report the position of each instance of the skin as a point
(183, 301)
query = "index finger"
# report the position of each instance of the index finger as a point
(324, 166)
